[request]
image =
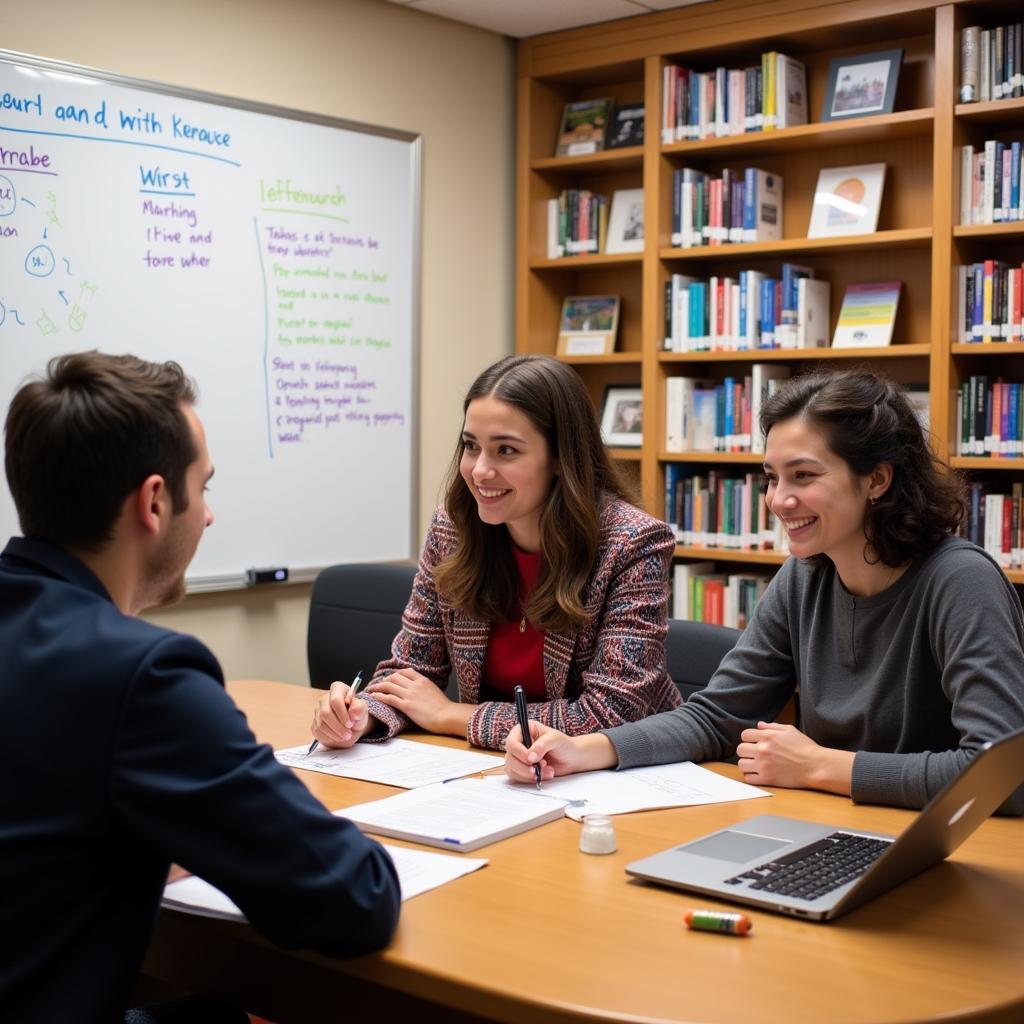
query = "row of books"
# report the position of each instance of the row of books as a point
(989, 303)
(736, 207)
(588, 126)
(724, 599)
(706, 416)
(715, 510)
(995, 521)
(991, 65)
(733, 101)
(577, 223)
(750, 311)
(990, 183)
(988, 418)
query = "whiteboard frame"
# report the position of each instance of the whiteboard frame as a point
(297, 574)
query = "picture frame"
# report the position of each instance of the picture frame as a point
(847, 201)
(626, 221)
(588, 325)
(622, 418)
(861, 84)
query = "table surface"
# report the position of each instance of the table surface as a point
(546, 933)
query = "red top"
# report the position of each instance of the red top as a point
(514, 656)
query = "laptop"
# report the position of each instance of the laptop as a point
(821, 871)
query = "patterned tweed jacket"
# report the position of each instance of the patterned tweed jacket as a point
(608, 671)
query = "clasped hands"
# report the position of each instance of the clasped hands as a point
(339, 723)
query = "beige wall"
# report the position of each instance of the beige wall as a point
(366, 60)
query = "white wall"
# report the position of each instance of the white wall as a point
(366, 60)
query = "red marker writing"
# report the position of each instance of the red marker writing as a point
(718, 921)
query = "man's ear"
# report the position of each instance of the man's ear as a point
(151, 503)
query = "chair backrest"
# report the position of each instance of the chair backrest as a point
(693, 650)
(355, 611)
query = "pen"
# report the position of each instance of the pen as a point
(352, 691)
(524, 725)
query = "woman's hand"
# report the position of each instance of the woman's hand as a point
(556, 753)
(781, 755)
(338, 719)
(423, 701)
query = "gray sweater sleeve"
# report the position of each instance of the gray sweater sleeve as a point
(753, 682)
(977, 635)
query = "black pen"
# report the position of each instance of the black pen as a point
(353, 690)
(524, 725)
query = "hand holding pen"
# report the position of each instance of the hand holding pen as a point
(327, 720)
(524, 725)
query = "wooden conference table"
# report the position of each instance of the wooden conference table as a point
(545, 933)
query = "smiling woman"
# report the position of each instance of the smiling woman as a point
(537, 570)
(907, 641)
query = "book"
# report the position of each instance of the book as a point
(764, 382)
(679, 411)
(457, 816)
(867, 315)
(584, 124)
(762, 206)
(626, 127)
(970, 43)
(790, 92)
(812, 313)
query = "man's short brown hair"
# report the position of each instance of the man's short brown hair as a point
(80, 439)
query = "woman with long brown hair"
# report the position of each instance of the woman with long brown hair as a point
(537, 570)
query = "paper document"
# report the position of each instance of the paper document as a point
(403, 763)
(637, 789)
(418, 871)
(460, 815)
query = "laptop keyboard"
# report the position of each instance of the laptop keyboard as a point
(815, 870)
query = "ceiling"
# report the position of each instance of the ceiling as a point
(521, 18)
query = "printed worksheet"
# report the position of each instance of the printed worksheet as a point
(403, 763)
(418, 872)
(638, 789)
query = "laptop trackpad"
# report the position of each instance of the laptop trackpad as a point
(733, 846)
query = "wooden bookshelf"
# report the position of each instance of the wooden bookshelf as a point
(919, 239)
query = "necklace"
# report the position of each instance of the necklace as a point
(522, 624)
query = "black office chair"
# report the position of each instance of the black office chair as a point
(693, 650)
(355, 611)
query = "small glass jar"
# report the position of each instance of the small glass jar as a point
(597, 834)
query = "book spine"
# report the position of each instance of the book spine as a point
(970, 40)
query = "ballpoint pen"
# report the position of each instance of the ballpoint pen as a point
(352, 691)
(524, 725)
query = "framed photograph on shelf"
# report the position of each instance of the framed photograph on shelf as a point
(588, 325)
(622, 417)
(626, 221)
(847, 200)
(861, 84)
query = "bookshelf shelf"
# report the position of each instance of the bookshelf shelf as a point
(734, 555)
(984, 463)
(627, 158)
(748, 458)
(992, 112)
(1015, 575)
(904, 124)
(988, 348)
(625, 454)
(600, 259)
(1013, 229)
(787, 355)
(895, 239)
(608, 359)
(920, 244)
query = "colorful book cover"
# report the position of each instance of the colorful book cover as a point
(867, 316)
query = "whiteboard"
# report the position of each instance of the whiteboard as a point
(273, 253)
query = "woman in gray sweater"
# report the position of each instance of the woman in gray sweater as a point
(906, 642)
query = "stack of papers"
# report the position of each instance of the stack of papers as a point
(636, 789)
(460, 816)
(403, 763)
(418, 871)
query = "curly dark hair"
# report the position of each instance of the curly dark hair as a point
(868, 420)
